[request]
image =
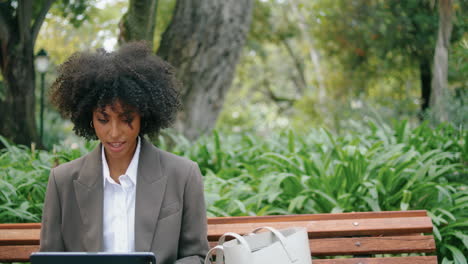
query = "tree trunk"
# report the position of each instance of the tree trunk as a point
(439, 80)
(425, 76)
(204, 42)
(17, 121)
(19, 31)
(139, 22)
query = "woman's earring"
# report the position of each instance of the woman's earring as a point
(91, 124)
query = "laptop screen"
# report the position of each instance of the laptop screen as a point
(92, 258)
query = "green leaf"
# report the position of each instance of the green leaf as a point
(447, 261)
(297, 203)
(462, 237)
(373, 204)
(458, 256)
(436, 232)
(291, 144)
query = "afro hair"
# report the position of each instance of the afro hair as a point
(133, 75)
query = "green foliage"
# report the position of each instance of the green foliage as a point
(374, 167)
(24, 173)
(61, 37)
(369, 51)
(267, 28)
(163, 19)
(75, 11)
(23, 180)
(456, 106)
(396, 31)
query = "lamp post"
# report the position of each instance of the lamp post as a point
(42, 63)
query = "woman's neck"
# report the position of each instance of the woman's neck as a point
(118, 165)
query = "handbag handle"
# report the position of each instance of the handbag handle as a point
(210, 252)
(281, 238)
(238, 237)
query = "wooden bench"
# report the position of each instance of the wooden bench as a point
(361, 238)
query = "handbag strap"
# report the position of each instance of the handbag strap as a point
(210, 252)
(238, 237)
(282, 240)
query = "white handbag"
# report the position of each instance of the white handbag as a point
(286, 246)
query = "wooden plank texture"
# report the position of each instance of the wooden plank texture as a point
(369, 245)
(336, 228)
(362, 233)
(21, 226)
(315, 217)
(389, 260)
(17, 253)
(19, 236)
(276, 218)
(372, 245)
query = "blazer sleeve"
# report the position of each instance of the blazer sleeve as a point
(51, 234)
(193, 243)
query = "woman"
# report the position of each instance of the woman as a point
(126, 195)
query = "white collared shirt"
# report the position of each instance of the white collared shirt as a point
(119, 207)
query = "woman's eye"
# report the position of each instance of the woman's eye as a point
(103, 121)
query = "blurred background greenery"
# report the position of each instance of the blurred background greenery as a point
(325, 106)
(303, 63)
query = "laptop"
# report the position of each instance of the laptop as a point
(92, 258)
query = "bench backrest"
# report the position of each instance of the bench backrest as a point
(363, 235)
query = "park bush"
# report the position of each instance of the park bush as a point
(372, 167)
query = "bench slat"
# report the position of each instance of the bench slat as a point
(372, 245)
(19, 236)
(21, 226)
(16, 253)
(389, 260)
(336, 228)
(316, 217)
(274, 218)
(369, 245)
(21, 254)
(372, 226)
(362, 233)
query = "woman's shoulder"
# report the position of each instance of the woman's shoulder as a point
(69, 167)
(178, 170)
(69, 171)
(173, 165)
(173, 158)
(166, 158)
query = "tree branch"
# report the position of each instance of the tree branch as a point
(139, 22)
(40, 19)
(301, 84)
(152, 19)
(274, 97)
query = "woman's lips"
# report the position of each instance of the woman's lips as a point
(116, 146)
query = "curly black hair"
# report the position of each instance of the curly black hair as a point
(140, 80)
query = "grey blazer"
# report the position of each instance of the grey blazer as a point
(170, 216)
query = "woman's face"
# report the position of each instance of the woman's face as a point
(117, 129)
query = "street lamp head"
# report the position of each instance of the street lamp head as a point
(42, 61)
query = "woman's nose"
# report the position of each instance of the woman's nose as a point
(115, 130)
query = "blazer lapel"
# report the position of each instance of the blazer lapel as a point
(90, 197)
(150, 189)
